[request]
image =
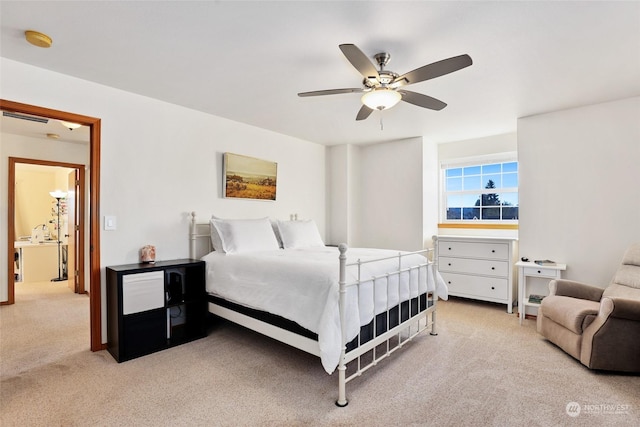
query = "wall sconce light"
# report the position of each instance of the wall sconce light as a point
(70, 125)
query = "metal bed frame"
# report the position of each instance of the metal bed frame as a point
(391, 339)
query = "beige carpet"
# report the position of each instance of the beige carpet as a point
(482, 369)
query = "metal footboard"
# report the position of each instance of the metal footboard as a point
(404, 330)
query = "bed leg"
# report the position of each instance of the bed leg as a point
(342, 394)
(433, 324)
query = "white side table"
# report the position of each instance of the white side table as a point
(531, 269)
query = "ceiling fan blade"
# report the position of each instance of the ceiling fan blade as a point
(433, 70)
(360, 61)
(330, 92)
(364, 113)
(422, 100)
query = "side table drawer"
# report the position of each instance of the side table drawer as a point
(474, 266)
(541, 272)
(486, 287)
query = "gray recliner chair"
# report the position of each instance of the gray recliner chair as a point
(599, 327)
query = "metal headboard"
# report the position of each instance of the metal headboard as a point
(199, 238)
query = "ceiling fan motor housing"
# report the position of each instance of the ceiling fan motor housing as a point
(385, 77)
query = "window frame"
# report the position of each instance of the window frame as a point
(476, 161)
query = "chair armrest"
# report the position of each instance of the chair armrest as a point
(609, 343)
(623, 308)
(571, 288)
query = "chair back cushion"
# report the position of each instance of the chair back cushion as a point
(629, 272)
(615, 290)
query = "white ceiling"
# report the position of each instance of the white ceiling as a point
(247, 61)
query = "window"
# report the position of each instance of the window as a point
(481, 192)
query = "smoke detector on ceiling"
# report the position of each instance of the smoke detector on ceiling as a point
(37, 38)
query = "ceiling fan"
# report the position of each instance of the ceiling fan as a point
(383, 88)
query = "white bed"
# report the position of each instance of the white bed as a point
(327, 293)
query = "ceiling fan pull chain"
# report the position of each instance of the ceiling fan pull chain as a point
(381, 124)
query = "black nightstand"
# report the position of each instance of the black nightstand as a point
(151, 307)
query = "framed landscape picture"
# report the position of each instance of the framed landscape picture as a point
(249, 178)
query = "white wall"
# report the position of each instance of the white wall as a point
(478, 147)
(384, 195)
(161, 161)
(391, 195)
(430, 193)
(376, 194)
(342, 190)
(580, 187)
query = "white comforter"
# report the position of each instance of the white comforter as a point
(302, 285)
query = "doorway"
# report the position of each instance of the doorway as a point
(37, 224)
(95, 304)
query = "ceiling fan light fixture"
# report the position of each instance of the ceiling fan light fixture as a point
(381, 98)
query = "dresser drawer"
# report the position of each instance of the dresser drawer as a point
(476, 286)
(473, 250)
(541, 272)
(473, 266)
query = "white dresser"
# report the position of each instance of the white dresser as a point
(480, 268)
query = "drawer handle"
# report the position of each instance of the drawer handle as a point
(449, 282)
(493, 288)
(493, 268)
(449, 264)
(449, 248)
(493, 251)
(539, 271)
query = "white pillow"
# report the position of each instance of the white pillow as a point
(299, 234)
(274, 225)
(245, 235)
(216, 240)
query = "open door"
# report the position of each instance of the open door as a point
(70, 272)
(75, 260)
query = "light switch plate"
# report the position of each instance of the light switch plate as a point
(109, 223)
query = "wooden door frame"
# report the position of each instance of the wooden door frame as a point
(77, 231)
(79, 171)
(95, 293)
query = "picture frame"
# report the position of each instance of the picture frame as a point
(249, 178)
